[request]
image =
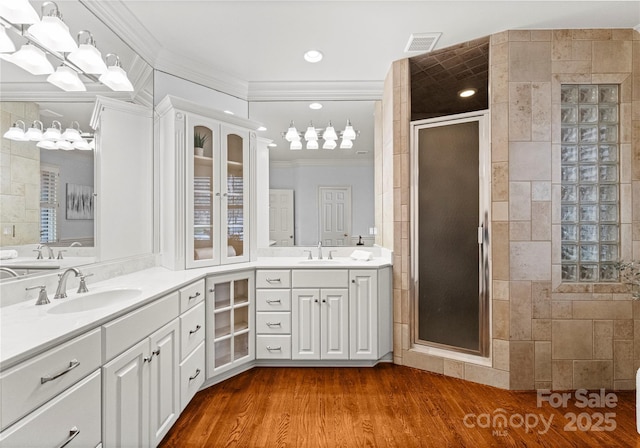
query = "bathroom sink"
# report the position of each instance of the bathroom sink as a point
(93, 300)
(319, 262)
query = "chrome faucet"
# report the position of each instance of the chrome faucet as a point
(9, 271)
(50, 250)
(61, 291)
(319, 250)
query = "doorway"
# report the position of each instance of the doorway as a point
(450, 193)
(335, 215)
(281, 217)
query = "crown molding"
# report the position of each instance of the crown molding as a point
(125, 25)
(42, 91)
(120, 106)
(316, 90)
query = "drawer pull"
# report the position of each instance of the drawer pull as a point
(72, 365)
(194, 331)
(154, 353)
(274, 324)
(191, 378)
(274, 349)
(73, 433)
(274, 301)
(194, 296)
(274, 280)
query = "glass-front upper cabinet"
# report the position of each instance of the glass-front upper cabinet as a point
(217, 179)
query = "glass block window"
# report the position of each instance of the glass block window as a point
(590, 223)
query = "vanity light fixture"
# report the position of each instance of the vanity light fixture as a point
(87, 57)
(82, 145)
(329, 135)
(53, 133)
(466, 93)
(72, 133)
(34, 133)
(64, 145)
(31, 59)
(16, 132)
(313, 56)
(19, 11)
(67, 79)
(6, 44)
(115, 77)
(52, 32)
(47, 144)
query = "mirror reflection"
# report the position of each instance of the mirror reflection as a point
(319, 194)
(47, 195)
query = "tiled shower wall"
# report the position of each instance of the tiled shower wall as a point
(20, 178)
(545, 334)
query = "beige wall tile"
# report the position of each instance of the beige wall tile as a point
(519, 111)
(500, 251)
(572, 339)
(520, 201)
(500, 290)
(561, 310)
(500, 211)
(573, 67)
(541, 111)
(592, 374)
(611, 57)
(521, 365)
(519, 35)
(500, 319)
(541, 224)
(540, 191)
(500, 181)
(525, 260)
(596, 309)
(540, 35)
(562, 375)
(453, 368)
(543, 361)
(520, 231)
(500, 354)
(529, 61)
(623, 329)
(486, 375)
(530, 161)
(591, 34)
(636, 338)
(541, 329)
(624, 384)
(520, 311)
(499, 84)
(623, 360)
(603, 339)
(423, 361)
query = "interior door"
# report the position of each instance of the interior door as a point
(335, 215)
(281, 217)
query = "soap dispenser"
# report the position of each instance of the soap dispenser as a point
(360, 242)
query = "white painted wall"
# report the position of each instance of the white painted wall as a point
(165, 84)
(76, 167)
(305, 180)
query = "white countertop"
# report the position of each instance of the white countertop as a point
(27, 329)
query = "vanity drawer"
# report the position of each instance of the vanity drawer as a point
(272, 278)
(31, 383)
(191, 295)
(273, 300)
(273, 323)
(320, 278)
(273, 347)
(122, 333)
(75, 411)
(191, 329)
(191, 375)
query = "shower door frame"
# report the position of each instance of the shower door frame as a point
(484, 252)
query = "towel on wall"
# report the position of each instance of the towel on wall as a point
(361, 255)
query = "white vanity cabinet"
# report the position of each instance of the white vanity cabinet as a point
(363, 314)
(273, 314)
(320, 314)
(206, 193)
(141, 388)
(229, 322)
(192, 345)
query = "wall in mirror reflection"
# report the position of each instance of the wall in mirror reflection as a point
(305, 178)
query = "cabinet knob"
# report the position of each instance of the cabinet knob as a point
(324, 301)
(316, 300)
(353, 280)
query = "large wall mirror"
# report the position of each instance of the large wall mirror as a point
(319, 194)
(31, 175)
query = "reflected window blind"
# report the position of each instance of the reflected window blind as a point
(49, 176)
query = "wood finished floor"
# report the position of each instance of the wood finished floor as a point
(384, 406)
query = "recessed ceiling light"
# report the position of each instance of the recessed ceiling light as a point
(466, 93)
(262, 128)
(313, 56)
(228, 112)
(315, 106)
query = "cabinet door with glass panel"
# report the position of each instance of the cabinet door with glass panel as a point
(229, 323)
(216, 185)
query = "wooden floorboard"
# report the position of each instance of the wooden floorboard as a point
(388, 406)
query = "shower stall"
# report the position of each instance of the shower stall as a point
(450, 218)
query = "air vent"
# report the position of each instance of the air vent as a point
(422, 42)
